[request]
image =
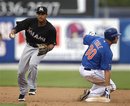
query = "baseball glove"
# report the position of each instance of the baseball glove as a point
(43, 49)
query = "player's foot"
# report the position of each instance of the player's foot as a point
(103, 98)
(21, 98)
(84, 95)
(32, 92)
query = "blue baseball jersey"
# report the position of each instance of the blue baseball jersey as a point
(98, 55)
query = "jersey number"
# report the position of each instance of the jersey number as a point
(91, 52)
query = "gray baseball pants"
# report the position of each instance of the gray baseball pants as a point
(28, 63)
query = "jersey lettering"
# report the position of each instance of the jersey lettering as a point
(98, 44)
(35, 35)
(91, 52)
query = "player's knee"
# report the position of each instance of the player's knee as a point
(113, 86)
(32, 66)
(81, 71)
(21, 71)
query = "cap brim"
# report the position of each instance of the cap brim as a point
(118, 34)
(41, 12)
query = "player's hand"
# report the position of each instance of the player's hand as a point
(92, 33)
(43, 49)
(107, 92)
(12, 34)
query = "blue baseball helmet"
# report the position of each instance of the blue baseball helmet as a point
(111, 33)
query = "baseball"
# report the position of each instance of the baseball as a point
(12, 35)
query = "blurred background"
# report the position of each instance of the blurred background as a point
(71, 19)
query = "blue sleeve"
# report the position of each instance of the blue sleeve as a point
(106, 60)
(88, 39)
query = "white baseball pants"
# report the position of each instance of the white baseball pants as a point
(90, 75)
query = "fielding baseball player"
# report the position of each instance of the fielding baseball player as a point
(96, 66)
(40, 39)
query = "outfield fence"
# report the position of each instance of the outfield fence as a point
(63, 67)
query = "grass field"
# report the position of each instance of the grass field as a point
(63, 79)
(12, 104)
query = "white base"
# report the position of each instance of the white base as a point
(97, 99)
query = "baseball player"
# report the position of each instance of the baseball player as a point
(40, 39)
(96, 66)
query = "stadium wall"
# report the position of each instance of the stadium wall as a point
(69, 48)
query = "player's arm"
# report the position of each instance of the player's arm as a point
(90, 33)
(88, 39)
(106, 62)
(52, 39)
(21, 25)
(107, 74)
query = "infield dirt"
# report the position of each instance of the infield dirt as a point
(60, 97)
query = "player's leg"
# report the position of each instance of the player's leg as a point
(22, 69)
(86, 92)
(99, 75)
(113, 85)
(99, 91)
(91, 76)
(32, 75)
(97, 78)
(95, 91)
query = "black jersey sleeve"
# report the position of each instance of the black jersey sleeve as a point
(22, 25)
(52, 36)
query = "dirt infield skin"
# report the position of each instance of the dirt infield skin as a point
(60, 97)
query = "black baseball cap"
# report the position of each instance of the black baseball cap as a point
(41, 9)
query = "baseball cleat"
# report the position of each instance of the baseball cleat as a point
(84, 95)
(21, 98)
(32, 92)
(98, 99)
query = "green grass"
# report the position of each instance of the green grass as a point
(13, 104)
(8, 78)
(63, 79)
(121, 79)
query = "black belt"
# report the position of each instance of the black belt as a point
(88, 69)
(33, 45)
